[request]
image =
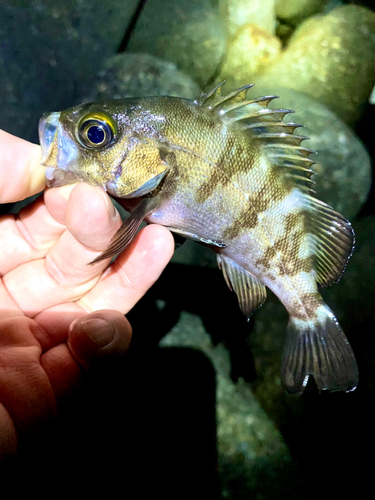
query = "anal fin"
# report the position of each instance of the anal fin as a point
(128, 229)
(250, 292)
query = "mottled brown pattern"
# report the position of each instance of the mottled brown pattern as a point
(224, 167)
(208, 187)
(247, 220)
(306, 306)
(288, 247)
(292, 220)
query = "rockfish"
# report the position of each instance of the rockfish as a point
(228, 172)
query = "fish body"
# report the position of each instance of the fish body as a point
(230, 173)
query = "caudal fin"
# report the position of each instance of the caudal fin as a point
(321, 350)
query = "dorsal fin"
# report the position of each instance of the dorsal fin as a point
(276, 137)
(332, 234)
(214, 98)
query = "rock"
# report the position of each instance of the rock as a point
(188, 33)
(249, 51)
(343, 164)
(372, 96)
(331, 58)
(139, 75)
(260, 13)
(250, 447)
(294, 11)
(46, 48)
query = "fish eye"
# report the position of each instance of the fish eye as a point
(97, 130)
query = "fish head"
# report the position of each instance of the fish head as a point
(101, 144)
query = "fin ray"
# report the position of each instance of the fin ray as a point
(319, 350)
(250, 292)
(128, 230)
(334, 240)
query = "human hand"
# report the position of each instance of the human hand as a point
(58, 314)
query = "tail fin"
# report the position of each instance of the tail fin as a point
(319, 349)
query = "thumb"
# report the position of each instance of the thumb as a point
(98, 335)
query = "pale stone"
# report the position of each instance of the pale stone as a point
(249, 51)
(331, 58)
(236, 13)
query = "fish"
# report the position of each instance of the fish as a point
(228, 172)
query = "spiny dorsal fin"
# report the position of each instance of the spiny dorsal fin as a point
(214, 98)
(250, 292)
(276, 137)
(332, 234)
(334, 241)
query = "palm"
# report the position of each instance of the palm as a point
(47, 283)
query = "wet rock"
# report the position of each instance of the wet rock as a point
(250, 447)
(294, 11)
(46, 48)
(249, 51)
(260, 13)
(188, 33)
(139, 75)
(331, 59)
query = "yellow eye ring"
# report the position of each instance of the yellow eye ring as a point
(96, 130)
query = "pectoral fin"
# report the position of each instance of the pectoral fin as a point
(250, 292)
(128, 229)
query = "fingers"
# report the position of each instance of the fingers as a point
(21, 173)
(87, 211)
(27, 237)
(133, 273)
(64, 275)
(92, 338)
(100, 334)
(25, 390)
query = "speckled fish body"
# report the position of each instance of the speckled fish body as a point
(230, 173)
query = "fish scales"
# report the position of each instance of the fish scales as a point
(227, 172)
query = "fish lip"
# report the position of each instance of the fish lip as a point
(48, 127)
(56, 177)
(59, 153)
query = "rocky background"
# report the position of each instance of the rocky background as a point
(198, 412)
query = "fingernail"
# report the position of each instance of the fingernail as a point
(99, 330)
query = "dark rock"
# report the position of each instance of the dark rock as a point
(188, 33)
(139, 75)
(250, 447)
(47, 47)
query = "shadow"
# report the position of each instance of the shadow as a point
(201, 291)
(137, 426)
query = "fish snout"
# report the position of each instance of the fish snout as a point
(59, 153)
(48, 126)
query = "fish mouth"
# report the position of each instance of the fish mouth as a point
(58, 151)
(48, 126)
